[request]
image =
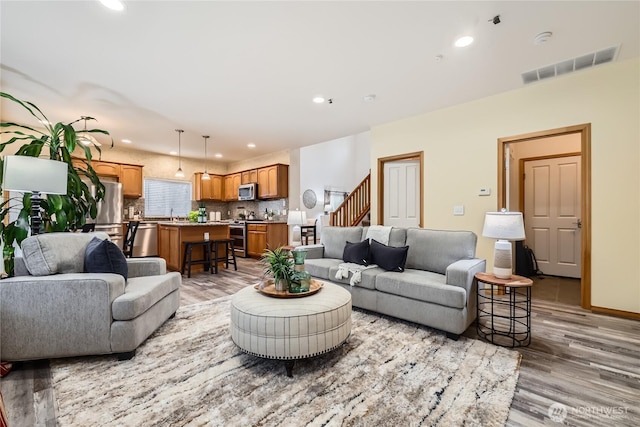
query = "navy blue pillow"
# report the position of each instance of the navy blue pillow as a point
(356, 252)
(390, 258)
(103, 256)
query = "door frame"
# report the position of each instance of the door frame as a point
(585, 152)
(418, 155)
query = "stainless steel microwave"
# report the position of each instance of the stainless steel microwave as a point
(248, 191)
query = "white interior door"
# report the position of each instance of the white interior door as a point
(552, 214)
(402, 193)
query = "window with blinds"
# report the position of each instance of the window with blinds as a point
(161, 196)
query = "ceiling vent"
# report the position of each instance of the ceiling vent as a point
(569, 66)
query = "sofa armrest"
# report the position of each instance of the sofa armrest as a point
(462, 273)
(313, 251)
(153, 266)
(58, 315)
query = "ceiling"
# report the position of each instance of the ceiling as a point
(246, 72)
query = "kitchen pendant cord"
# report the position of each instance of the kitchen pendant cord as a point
(179, 172)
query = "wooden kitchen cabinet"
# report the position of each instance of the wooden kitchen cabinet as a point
(172, 236)
(266, 235)
(231, 184)
(129, 175)
(273, 182)
(250, 176)
(209, 189)
(131, 179)
(256, 239)
(169, 246)
(106, 168)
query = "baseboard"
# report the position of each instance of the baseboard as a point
(618, 313)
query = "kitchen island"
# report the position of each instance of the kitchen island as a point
(172, 235)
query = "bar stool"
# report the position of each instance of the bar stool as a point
(129, 238)
(228, 258)
(188, 261)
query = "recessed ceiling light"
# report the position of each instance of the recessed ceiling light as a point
(113, 4)
(464, 41)
(251, 145)
(126, 141)
(318, 99)
(173, 153)
(218, 155)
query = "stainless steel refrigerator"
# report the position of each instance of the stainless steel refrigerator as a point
(110, 211)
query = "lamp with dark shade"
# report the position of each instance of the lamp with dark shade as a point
(36, 176)
(504, 226)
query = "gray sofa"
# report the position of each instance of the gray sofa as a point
(60, 311)
(436, 289)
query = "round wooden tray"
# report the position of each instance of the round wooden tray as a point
(270, 290)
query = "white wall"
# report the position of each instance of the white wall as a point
(340, 164)
(460, 146)
(258, 162)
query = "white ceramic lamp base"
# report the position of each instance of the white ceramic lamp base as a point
(502, 266)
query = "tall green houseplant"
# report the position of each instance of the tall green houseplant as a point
(61, 212)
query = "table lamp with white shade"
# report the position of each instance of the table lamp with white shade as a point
(296, 218)
(504, 226)
(34, 175)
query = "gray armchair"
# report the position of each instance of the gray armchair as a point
(51, 308)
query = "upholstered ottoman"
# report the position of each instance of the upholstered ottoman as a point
(290, 328)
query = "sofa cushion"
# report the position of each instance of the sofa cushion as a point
(141, 293)
(397, 237)
(435, 250)
(422, 286)
(367, 278)
(103, 256)
(52, 253)
(388, 257)
(319, 267)
(356, 252)
(334, 239)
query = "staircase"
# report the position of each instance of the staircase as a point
(355, 208)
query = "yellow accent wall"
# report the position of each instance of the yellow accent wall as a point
(460, 151)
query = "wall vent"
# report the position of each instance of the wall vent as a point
(569, 66)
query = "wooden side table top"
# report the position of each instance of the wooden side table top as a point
(513, 282)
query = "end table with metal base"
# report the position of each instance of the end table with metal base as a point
(504, 310)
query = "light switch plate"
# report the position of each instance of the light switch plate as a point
(458, 210)
(484, 192)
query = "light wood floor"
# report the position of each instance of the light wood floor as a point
(588, 362)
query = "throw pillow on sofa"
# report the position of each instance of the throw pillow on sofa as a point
(104, 256)
(356, 252)
(390, 258)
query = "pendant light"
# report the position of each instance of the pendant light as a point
(205, 175)
(179, 172)
(85, 137)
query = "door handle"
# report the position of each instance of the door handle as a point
(578, 224)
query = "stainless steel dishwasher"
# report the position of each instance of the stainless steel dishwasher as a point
(146, 242)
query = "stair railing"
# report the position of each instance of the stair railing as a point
(355, 207)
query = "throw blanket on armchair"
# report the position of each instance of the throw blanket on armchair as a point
(349, 267)
(379, 233)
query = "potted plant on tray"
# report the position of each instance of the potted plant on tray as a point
(278, 264)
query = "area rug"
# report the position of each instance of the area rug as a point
(388, 373)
